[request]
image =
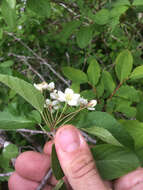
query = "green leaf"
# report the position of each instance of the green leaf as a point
(104, 120)
(102, 134)
(139, 115)
(26, 90)
(68, 29)
(75, 87)
(135, 128)
(84, 37)
(5, 64)
(88, 94)
(137, 2)
(137, 73)
(8, 8)
(60, 185)
(75, 75)
(11, 151)
(93, 72)
(56, 168)
(121, 2)
(35, 116)
(124, 63)
(108, 82)
(100, 89)
(113, 162)
(102, 17)
(128, 92)
(11, 122)
(40, 7)
(127, 110)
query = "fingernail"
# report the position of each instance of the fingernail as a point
(69, 140)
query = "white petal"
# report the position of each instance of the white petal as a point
(76, 96)
(73, 102)
(69, 91)
(51, 86)
(61, 97)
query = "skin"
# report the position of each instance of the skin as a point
(77, 163)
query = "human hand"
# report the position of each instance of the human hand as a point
(76, 161)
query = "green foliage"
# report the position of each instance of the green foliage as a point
(26, 90)
(124, 63)
(9, 12)
(97, 47)
(12, 122)
(102, 134)
(41, 7)
(84, 37)
(56, 168)
(93, 72)
(75, 75)
(108, 82)
(106, 121)
(113, 161)
(137, 73)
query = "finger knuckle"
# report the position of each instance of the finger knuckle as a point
(83, 167)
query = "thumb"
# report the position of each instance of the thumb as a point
(76, 160)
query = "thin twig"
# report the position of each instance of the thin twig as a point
(43, 61)
(88, 138)
(25, 60)
(44, 180)
(6, 174)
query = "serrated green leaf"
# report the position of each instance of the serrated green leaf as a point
(84, 37)
(40, 7)
(128, 92)
(93, 72)
(108, 82)
(102, 17)
(123, 65)
(113, 162)
(137, 2)
(137, 73)
(104, 120)
(75, 75)
(102, 134)
(5, 64)
(26, 90)
(11, 122)
(8, 8)
(135, 128)
(56, 168)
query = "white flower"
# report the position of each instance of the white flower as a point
(42, 86)
(19, 27)
(55, 104)
(91, 105)
(51, 86)
(48, 103)
(83, 101)
(54, 95)
(69, 97)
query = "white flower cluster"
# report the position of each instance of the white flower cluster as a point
(69, 97)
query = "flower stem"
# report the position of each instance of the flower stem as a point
(64, 108)
(69, 115)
